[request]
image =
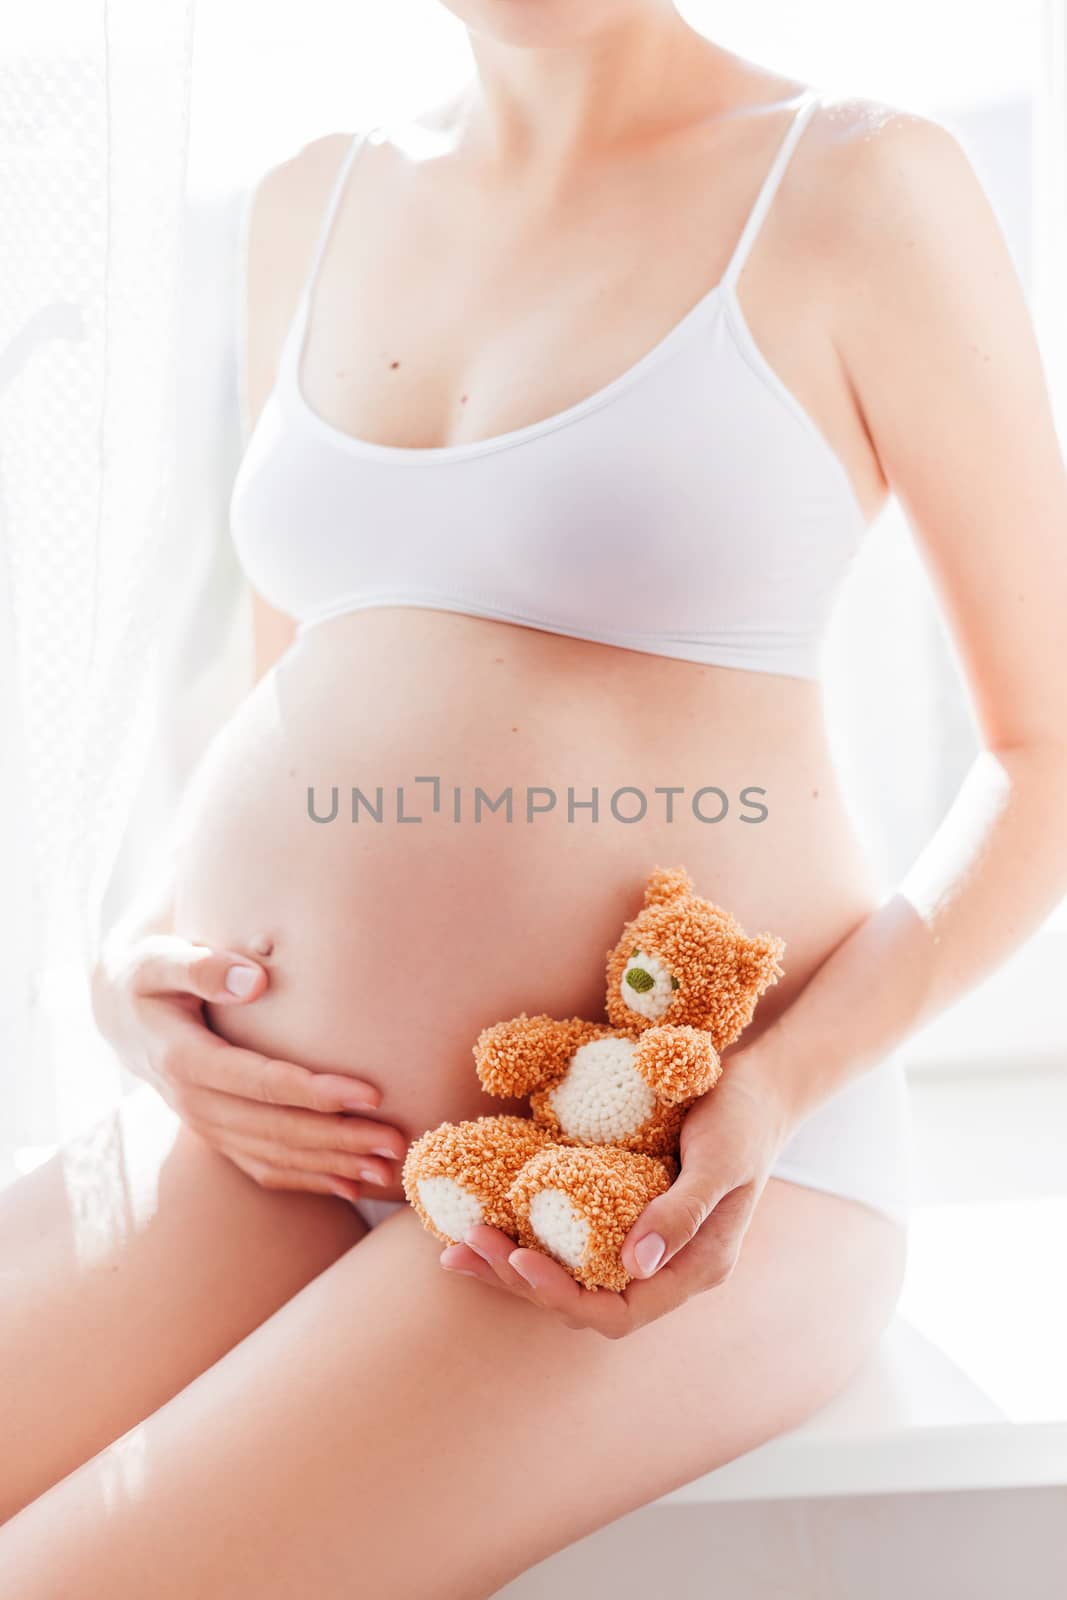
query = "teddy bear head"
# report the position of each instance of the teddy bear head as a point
(684, 961)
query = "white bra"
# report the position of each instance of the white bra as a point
(689, 508)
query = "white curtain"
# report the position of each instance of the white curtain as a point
(94, 113)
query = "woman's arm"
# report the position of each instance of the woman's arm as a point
(934, 332)
(939, 345)
(151, 910)
(286, 1125)
(932, 328)
(268, 271)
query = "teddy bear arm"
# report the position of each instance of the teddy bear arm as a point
(678, 1063)
(515, 1058)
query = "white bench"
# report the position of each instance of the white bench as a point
(911, 1421)
(967, 1390)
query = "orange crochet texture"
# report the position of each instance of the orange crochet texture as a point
(607, 1099)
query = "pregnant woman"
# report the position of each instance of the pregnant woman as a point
(569, 406)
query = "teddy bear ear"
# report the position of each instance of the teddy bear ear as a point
(666, 883)
(759, 961)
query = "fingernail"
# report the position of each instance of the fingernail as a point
(525, 1276)
(366, 1104)
(239, 980)
(460, 1272)
(648, 1253)
(390, 1155)
(372, 1175)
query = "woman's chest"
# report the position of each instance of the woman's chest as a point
(447, 311)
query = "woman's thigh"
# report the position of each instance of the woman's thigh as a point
(398, 1430)
(131, 1261)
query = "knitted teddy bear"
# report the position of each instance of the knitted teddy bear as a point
(608, 1100)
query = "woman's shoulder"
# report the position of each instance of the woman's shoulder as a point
(284, 210)
(295, 189)
(876, 169)
(312, 168)
(863, 131)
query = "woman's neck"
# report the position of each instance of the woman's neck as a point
(540, 109)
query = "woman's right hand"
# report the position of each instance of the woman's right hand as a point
(286, 1126)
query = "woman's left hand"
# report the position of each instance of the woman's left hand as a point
(687, 1240)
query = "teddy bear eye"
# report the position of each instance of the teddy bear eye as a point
(640, 980)
(634, 952)
(674, 982)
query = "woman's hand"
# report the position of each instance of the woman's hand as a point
(284, 1125)
(687, 1240)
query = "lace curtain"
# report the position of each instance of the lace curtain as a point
(94, 113)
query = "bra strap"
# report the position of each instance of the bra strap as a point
(340, 182)
(808, 102)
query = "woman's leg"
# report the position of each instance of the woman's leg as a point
(398, 1430)
(130, 1262)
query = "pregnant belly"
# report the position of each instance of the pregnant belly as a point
(437, 821)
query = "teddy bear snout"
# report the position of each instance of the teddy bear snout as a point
(647, 985)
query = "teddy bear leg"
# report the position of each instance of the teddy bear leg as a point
(578, 1203)
(458, 1174)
